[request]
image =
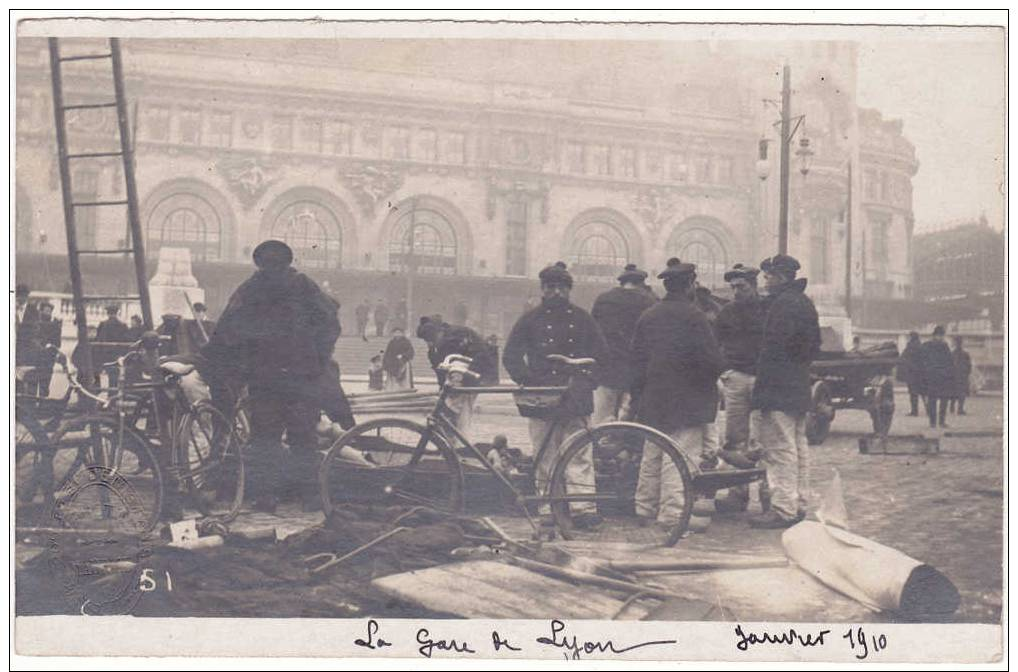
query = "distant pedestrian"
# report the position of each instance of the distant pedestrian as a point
(363, 312)
(136, 329)
(963, 375)
(459, 314)
(938, 377)
(376, 376)
(396, 362)
(111, 331)
(48, 335)
(381, 317)
(400, 317)
(909, 371)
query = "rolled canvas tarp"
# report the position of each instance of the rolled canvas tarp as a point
(875, 575)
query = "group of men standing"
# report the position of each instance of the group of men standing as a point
(660, 362)
(936, 374)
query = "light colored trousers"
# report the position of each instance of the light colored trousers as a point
(579, 472)
(786, 457)
(459, 408)
(660, 490)
(741, 424)
(609, 404)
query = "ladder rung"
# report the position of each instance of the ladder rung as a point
(85, 57)
(123, 251)
(94, 155)
(92, 204)
(89, 106)
(111, 298)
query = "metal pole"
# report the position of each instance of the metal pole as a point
(786, 113)
(85, 362)
(411, 269)
(848, 247)
(133, 217)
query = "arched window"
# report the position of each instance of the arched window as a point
(598, 251)
(186, 220)
(703, 248)
(427, 239)
(313, 231)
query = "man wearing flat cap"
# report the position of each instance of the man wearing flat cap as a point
(557, 327)
(739, 330)
(781, 391)
(276, 336)
(676, 363)
(937, 373)
(616, 312)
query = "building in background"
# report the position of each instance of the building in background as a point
(478, 164)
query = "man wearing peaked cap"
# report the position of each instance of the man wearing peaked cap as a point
(739, 329)
(616, 312)
(782, 390)
(676, 366)
(558, 327)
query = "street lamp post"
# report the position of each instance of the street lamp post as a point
(411, 264)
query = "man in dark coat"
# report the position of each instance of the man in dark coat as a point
(909, 370)
(111, 330)
(963, 373)
(396, 362)
(616, 312)
(782, 390)
(739, 330)
(276, 335)
(557, 327)
(676, 363)
(48, 335)
(445, 339)
(362, 312)
(381, 317)
(936, 366)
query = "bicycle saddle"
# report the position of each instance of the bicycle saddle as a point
(569, 361)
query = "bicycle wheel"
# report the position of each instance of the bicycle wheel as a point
(208, 461)
(389, 461)
(115, 484)
(599, 473)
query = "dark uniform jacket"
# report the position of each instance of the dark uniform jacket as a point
(963, 370)
(739, 330)
(550, 329)
(677, 364)
(616, 312)
(49, 333)
(276, 323)
(909, 364)
(398, 353)
(936, 369)
(111, 330)
(457, 340)
(791, 340)
(27, 346)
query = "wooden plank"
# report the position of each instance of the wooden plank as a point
(488, 589)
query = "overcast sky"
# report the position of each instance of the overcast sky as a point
(951, 98)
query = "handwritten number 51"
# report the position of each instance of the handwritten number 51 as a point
(857, 639)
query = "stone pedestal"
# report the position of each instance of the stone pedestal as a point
(833, 315)
(173, 284)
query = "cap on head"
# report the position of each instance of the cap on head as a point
(112, 309)
(556, 274)
(632, 274)
(272, 254)
(676, 269)
(200, 307)
(22, 291)
(741, 271)
(45, 304)
(781, 263)
(939, 330)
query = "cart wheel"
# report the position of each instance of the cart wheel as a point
(882, 411)
(820, 417)
(598, 474)
(390, 461)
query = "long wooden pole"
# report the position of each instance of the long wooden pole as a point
(786, 141)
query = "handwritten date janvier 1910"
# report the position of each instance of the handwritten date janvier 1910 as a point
(571, 645)
(857, 640)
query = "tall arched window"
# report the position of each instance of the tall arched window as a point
(427, 239)
(598, 251)
(703, 248)
(186, 220)
(313, 231)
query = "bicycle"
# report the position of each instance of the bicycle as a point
(417, 464)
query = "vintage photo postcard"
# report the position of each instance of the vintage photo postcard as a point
(637, 338)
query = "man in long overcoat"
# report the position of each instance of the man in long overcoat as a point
(963, 374)
(782, 390)
(676, 363)
(909, 370)
(616, 313)
(276, 335)
(936, 366)
(396, 362)
(557, 326)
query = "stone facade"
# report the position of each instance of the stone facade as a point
(369, 166)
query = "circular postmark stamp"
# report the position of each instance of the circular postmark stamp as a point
(99, 553)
